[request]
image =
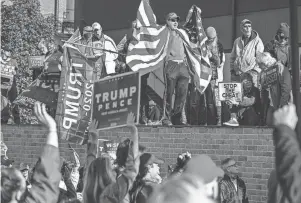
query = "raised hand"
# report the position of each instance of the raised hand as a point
(286, 116)
(130, 119)
(44, 117)
(93, 132)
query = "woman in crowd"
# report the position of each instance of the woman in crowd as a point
(148, 178)
(100, 184)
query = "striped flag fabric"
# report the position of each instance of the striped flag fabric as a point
(121, 44)
(148, 51)
(76, 36)
(198, 59)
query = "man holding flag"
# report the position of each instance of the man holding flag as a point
(176, 72)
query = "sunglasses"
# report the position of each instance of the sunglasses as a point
(283, 37)
(233, 165)
(173, 20)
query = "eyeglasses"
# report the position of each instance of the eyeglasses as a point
(233, 165)
(247, 26)
(173, 20)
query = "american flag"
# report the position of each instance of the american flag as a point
(148, 51)
(196, 49)
(76, 36)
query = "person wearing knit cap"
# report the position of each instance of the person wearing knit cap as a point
(105, 65)
(243, 60)
(217, 60)
(87, 41)
(232, 188)
(279, 47)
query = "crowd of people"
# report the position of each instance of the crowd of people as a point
(134, 175)
(249, 58)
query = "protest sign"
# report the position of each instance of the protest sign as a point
(230, 91)
(110, 147)
(269, 77)
(74, 107)
(7, 75)
(44, 89)
(115, 99)
(36, 61)
(100, 146)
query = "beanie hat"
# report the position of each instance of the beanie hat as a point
(211, 32)
(284, 30)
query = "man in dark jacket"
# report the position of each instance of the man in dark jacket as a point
(279, 47)
(232, 188)
(288, 153)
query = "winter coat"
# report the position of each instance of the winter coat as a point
(243, 56)
(229, 194)
(288, 162)
(46, 178)
(280, 52)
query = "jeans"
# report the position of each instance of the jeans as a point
(177, 79)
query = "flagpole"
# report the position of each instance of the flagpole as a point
(295, 62)
(114, 52)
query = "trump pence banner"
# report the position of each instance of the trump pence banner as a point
(116, 100)
(74, 107)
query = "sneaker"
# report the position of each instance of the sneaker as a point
(232, 122)
(166, 122)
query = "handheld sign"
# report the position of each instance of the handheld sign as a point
(269, 77)
(230, 91)
(36, 61)
(7, 75)
(115, 98)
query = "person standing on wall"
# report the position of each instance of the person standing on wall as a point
(176, 73)
(9, 111)
(106, 64)
(243, 59)
(217, 61)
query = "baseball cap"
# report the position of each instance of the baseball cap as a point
(23, 167)
(172, 16)
(151, 103)
(245, 21)
(204, 167)
(5, 161)
(87, 29)
(96, 26)
(147, 159)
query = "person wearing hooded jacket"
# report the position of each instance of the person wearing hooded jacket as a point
(279, 47)
(107, 59)
(243, 59)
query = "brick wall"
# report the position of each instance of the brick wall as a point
(252, 148)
